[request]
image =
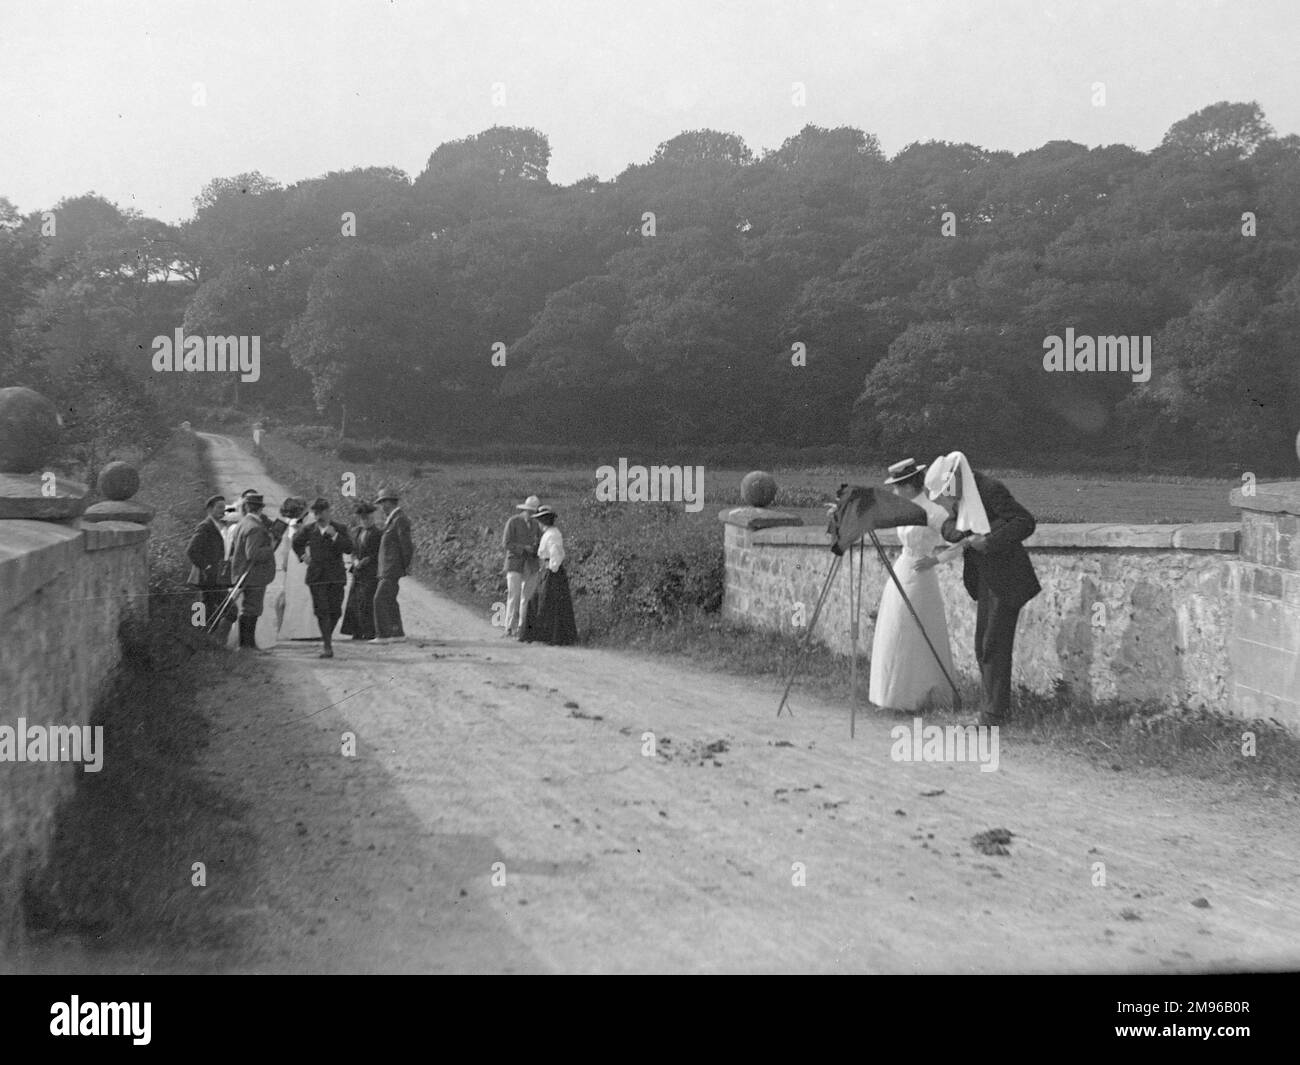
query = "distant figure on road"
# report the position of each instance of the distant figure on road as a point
(324, 542)
(396, 551)
(520, 540)
(359, 614)
(998, 574)
(252, 557)
(549, 618)
(297, 618)
(208, 571)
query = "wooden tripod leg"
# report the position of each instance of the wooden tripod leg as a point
(807, 640)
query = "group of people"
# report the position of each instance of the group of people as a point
(539, 606)
(972, 515)
(237, 550)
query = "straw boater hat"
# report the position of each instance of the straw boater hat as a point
(531, 503)
(545, 510)
(901, 471)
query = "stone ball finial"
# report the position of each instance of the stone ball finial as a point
(118, 480)
(758, 488)
(29, 430)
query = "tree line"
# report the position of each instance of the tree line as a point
(818, 293)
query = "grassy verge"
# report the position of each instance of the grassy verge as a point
(119, 877)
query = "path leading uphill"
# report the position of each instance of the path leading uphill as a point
(478, 754)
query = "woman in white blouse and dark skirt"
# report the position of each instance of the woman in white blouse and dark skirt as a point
(550, 610)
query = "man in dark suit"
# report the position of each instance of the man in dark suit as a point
(207, 554)
(252, 557)
(396, 552)
(324, 543)
(997, 572)
(359, 614)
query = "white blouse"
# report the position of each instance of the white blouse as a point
(551, 549)
(920, 541)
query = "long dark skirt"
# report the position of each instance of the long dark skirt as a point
(550, 611)
(359, 614)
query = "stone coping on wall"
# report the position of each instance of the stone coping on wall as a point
(1277, 497)
(34, 553)
(1209, 536)
(102, 535)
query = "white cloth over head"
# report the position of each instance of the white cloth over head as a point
(970, 508)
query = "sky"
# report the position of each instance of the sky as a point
(145, 101)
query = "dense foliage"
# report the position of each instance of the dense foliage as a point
(664, 308)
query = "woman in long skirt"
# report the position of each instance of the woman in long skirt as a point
(550, 610)
(298, 621)
(904, 673)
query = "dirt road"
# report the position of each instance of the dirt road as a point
(744, 843)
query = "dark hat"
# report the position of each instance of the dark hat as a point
(386, 493)
(902, 471)
(319, 503)
(364, 508)
(254, 498)
(213, 501)
(543, 511)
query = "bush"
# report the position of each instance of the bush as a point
(320, 437)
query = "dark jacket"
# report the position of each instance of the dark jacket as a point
(252, 551)
(206, 552)
(396, 550)
(1004, 564)
(365, 553)
(520, 540)
(324, 554)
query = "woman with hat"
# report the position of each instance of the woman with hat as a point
(904, 673)
(297, 619)
(359, 614)
(550, 610)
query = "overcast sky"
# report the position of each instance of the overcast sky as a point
(100, 95)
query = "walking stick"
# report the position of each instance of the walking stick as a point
(212, 625)
(807, 640)
(956, 695)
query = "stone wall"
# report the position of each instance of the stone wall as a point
(1266, 618)
(1135, 613)
(65, 587)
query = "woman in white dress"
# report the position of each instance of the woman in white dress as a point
(297, 619)
(904, 673)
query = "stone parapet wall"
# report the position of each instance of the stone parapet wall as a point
(65, 588)
(1134, 613)
(1266, 604)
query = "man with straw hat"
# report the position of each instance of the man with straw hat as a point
(520, 540)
